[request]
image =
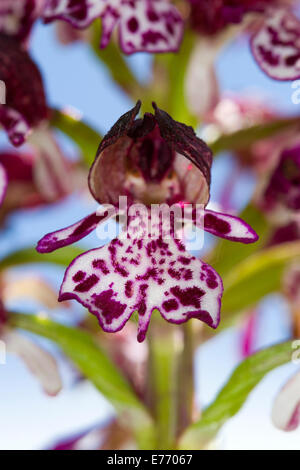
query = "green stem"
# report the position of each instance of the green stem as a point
(185, 380)
(163, 368)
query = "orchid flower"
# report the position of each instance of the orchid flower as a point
(149, 160)
(143, 25)
(275, 42)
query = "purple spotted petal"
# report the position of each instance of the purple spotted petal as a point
(144, 25)
(134, 274)
(225, 226)
(150, 26)
(184, 141)
(72, 234)
(17, 17)
(286, 408)
(3, 183)
(276, 45)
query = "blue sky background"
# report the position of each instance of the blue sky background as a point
(29, 419)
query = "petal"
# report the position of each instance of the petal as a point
(72, 234)
(111, 159)
(134, 274)
(286, 408)
(40, 363)
(184, 141)
(17, 17)
(3, 183)
(150, 26)
(225, 226)
(276, 45)
(79, 14)
(25, 105)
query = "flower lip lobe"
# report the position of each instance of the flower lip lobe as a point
(143, 25)
(276, 45)
(73, 233)
(143, 284)
(229, 227)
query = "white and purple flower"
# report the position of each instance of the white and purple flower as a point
(154, 160)
(275, 42)
(143, 25)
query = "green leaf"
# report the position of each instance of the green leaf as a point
(256, 277)
(246, 137)
(233, 396)
(92, 362)
(61, 257)
(87, 138)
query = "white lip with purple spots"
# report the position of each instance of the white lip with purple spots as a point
(276, 45)
(135, 274)
(144, 25)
